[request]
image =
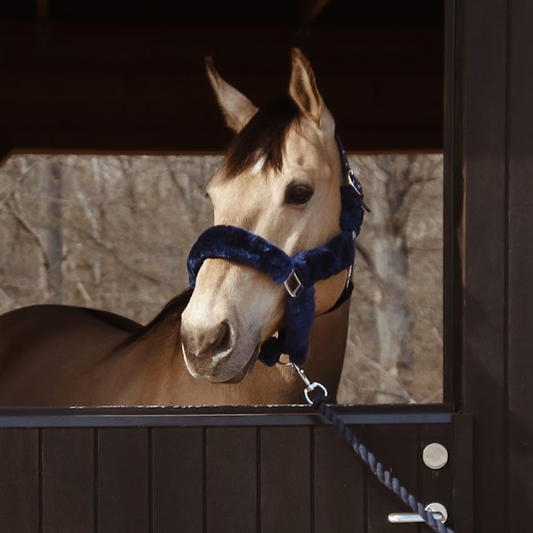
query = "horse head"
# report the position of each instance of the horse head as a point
(280, 180)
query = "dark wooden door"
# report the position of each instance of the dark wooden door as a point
(198, 471)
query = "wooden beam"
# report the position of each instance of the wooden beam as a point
(43, 11)
(309, 11)
(117, 88)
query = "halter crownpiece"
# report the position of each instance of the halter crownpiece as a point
(298, 273)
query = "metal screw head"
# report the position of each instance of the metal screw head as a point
(435, 455)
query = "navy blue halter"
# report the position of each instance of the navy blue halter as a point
(298, 273)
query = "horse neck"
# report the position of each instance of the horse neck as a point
(159, 354)
(327, 348)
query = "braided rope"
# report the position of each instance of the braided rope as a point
(384, 476)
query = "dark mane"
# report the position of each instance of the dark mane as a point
(263, 137)
(175, 306)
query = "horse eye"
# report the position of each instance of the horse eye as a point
(298, 194)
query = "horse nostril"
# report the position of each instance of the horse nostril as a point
(224, 338)
(205, 343)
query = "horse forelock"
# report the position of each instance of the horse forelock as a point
(263, 138)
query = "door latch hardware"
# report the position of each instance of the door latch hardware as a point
(438, 511)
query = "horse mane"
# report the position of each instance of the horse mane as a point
(175, 306)
(263, 137)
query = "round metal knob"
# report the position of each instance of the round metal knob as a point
(435, 455)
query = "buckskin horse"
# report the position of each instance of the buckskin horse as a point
(269, 281)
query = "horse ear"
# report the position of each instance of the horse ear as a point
(303, 89)
(237, 109)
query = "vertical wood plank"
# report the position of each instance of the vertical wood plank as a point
(231, 479)
(19, 474)
(286, 495)
(463, 474)
(453, 203)
(520, 367)
(484, 348)
(123, 486)
(68, 480)
(396, 447)
(339, 483)
(178, 498)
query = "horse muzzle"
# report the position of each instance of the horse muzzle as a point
(210, 353)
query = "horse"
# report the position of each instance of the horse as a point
(279, 180)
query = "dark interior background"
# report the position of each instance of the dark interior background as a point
(129, 76)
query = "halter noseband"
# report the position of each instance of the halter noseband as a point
(298, 273)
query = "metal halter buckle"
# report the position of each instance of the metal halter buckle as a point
(354, 182)
(294, 291)
(350, 273)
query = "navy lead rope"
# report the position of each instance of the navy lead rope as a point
(319, 402)
(383, 475)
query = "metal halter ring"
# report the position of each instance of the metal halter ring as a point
(296, 291)
(311, 388)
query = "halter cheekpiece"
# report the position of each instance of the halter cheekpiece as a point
(298, 273)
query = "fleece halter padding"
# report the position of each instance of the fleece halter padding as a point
(299, 273)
